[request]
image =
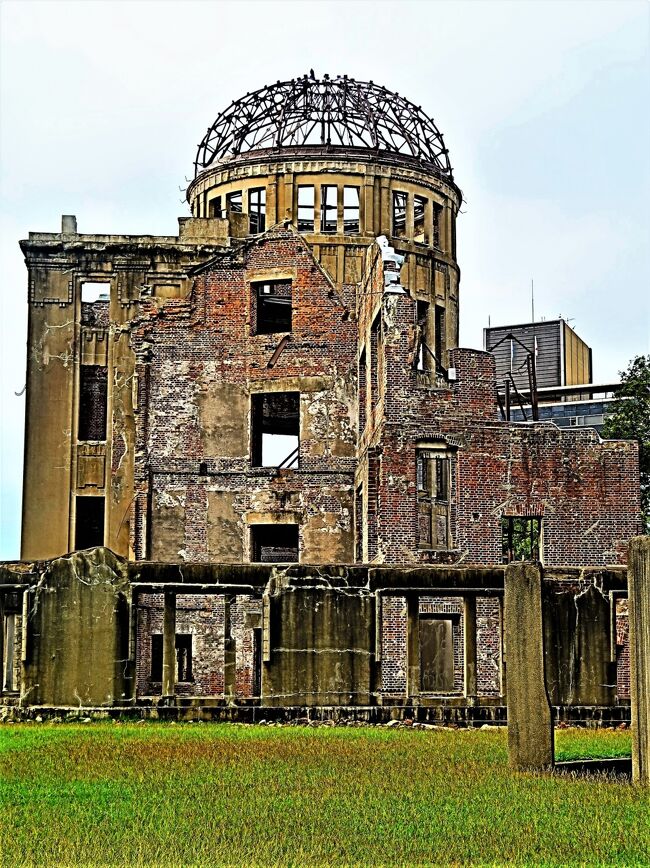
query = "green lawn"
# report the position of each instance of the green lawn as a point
(136, 794)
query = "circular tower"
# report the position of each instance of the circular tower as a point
(344, 161)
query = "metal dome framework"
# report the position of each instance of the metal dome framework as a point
(326, 114)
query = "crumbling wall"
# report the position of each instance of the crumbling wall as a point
(584, 490)
(201, 362)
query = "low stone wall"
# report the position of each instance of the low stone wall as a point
(98, 631)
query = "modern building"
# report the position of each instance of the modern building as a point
(562, 358)
(280, 383)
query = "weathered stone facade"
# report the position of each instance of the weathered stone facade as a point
(281, 381)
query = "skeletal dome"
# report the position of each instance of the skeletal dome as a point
(324, 115)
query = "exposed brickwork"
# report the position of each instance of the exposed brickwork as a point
(394, 624)
(488, 646)
(203, 617)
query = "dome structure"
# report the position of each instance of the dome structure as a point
(327, 114)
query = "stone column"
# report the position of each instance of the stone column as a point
(169, 645)
(413, 647)
(530, 720)
(638, 578)
(469, 610)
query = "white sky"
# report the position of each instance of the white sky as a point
(543, 106)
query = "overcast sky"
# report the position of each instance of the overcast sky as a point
(544, 107)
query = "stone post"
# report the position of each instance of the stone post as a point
(530, 720)
(169, 645)
(638, 579)
(413, 648)
(469, 608)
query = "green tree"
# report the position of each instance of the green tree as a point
(631, 421)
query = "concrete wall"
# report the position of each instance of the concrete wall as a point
(77, 633)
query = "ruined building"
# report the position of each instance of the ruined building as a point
(281, 383)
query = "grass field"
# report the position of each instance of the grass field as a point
(136, 794)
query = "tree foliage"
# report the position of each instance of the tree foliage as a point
(631, 421)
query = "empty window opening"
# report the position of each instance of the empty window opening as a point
(440, 335)
(234, 202)
(351, 210)
(215, 207)
(95, 300)
(521, 538)
(89, 522)
(94, 291)
(275, 429)
(183, 657)
(419, 219)
(424, 351)
(436, 654)
(203, 468)
(363, 395)
(257, 210)
(399, 213)
(271, 303)
(328, 208)
(274, 543)
(93, 395)
(433, 484)
(306, 209)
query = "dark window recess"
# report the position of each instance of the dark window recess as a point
(89, 522)
(257, 210)
(436, 654)
(275, 434)
(156, 657)
(520, 538)
(271, 303)
(419, 219)
(215, 207)
(234, 202)
(437, 223)
(306, 209)
(274, 543)
(441, 334)
(93, 396)
(328, 208)
(433, 500)
(363, 383)
(203, 468)
(351, 210)
(399, 214)
(183, 657)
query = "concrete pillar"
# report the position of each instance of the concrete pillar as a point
(413, 646)
(469, 611)
(169, 645)
(530, 720)
(638, 578)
